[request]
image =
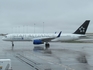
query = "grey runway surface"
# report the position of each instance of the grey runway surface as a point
(60, 56)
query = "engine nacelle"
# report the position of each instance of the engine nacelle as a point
(38, 42)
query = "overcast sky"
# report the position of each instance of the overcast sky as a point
(54, 15)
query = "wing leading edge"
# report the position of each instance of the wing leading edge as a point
(47, 39)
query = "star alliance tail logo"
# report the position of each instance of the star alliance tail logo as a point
(82, 29)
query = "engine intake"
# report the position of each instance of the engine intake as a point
(38, 42)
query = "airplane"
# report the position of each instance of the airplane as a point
(37, 39)
(46, 38)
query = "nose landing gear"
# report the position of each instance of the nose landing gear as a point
(12, 45)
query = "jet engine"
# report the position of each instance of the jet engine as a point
(38, 42)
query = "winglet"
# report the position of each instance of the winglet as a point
(59, 34)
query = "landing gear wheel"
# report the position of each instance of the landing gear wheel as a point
(47, 45)
(12, 45)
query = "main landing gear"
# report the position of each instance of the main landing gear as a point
(47, 45)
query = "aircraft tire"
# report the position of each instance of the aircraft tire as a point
(47, 45)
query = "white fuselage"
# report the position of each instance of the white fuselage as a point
(26, 37)
(31, 37)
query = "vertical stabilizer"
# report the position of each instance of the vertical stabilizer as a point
(83, 28)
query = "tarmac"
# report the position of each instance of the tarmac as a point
(60, 56)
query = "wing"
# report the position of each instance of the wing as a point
(47, 39)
